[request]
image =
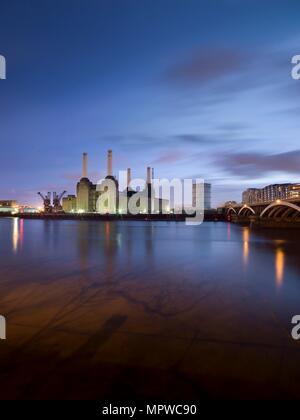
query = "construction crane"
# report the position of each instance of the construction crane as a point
(54, 207)
(57, 207)
(47, 202)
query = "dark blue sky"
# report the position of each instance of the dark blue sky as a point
(191, 87)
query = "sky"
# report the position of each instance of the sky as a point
(193, 88)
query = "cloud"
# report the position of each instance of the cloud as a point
(205, 65)
(232, 127)
(259, 164)
(170, 157)
(134, 140)
(203, 139)
(196, 139)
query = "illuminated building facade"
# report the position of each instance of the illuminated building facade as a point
(271, 193)
(105, 197)
(69, 204)
(8, 206)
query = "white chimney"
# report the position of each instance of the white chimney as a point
(109, 163)
(148, 175)
(84, 165)
(128, 177)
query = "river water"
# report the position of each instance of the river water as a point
(148, 309)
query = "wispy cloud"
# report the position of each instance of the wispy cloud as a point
(170, 157)
(205, 65)
(259, 164)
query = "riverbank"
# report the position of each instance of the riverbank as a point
(256, 222)
(274, 224)
(208, 216)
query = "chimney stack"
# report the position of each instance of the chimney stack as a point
(109, 163)
(84, 165)
(128, 177)
(148, 175)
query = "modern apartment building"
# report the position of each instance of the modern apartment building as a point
(271, 193)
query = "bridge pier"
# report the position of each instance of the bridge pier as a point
(243, 220)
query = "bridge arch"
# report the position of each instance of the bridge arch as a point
(231, 210)
(246, 211)
(281, 209)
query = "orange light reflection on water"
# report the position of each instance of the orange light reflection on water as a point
(15, 234)
(246, 237)
(279, 266)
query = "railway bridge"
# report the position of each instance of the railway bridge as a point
(284, 212)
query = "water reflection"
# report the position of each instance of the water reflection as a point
(79, 293)
(228, 231)
(101, 250)
(21, 224)
(246, 238)
(15, 234)
(279, 265)
(84, 245)
(107, 234)
(110, 249)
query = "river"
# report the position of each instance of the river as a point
(148, 309)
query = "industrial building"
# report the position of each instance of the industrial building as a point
(105, 197)
(8, 206)
(69, 204)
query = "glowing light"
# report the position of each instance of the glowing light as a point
(279, 266)
(21, 232)
(278, 201)
(246, 236)
(15, 234)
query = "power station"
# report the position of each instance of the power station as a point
(88, 194)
